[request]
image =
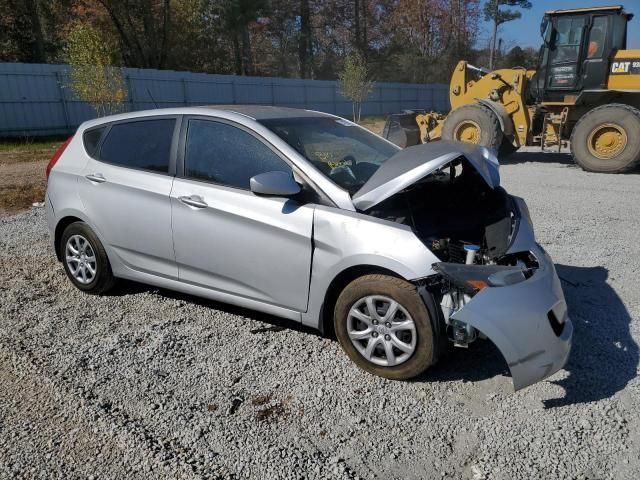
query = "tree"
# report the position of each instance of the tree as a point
(519, 57)
(93, 77)
(236, 17)
(493, 13)
(354, 83)
(305, 45)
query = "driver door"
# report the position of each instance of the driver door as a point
(225, 237)
(565, 54)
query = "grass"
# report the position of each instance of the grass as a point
(22, 171)
(375, 123)
(25, 144)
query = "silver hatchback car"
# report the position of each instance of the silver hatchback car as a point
(310, 217)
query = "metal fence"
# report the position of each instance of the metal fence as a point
(35, 99)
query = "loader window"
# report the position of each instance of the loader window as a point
(567, 40)
(597, 37)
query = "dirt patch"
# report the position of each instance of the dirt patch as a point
(375, 124)
(22, 177)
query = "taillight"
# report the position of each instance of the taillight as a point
(57, 155)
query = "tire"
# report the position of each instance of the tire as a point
(622, 124)
(78, 237)
(474, 117)
(385, 288)
(506, 148)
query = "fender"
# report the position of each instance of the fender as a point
(506, 124)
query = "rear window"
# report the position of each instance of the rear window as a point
(141, 144)
(91, 139)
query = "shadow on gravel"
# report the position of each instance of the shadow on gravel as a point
(546, 157)
(127, 287)
(604, 356)
(538, 157)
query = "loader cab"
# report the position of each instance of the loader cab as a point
(577, 45)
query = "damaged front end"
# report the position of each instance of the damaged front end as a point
(493, 281)
(520, 308)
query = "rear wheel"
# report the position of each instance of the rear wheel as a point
(384, 327)
(607, 139)
(85, 260)
(473, 124)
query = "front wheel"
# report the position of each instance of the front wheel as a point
(384, 327)
(475, 124)
(607, 139)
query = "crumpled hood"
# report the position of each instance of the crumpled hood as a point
(414, 163)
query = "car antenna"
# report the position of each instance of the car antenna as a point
(151, 97)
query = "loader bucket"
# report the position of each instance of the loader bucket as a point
(402, 129)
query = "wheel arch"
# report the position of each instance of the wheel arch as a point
(63, 223)
(506, 124)
(339, 282)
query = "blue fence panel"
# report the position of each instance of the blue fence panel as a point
(35, 99)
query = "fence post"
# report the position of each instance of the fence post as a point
(304, 93)
(233, 90)
(335, 101)
(185, 98)
(127, 80)
(273, 96)
(63, 102)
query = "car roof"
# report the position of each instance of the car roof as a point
(266, 112)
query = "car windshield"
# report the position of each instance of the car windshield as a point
(342, 151)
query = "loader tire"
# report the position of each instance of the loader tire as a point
(607, 139)
(473, 124)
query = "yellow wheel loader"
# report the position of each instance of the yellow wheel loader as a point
(586, 92)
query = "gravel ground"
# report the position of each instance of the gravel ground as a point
(147, 383)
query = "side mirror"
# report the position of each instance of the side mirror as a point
(279, 184)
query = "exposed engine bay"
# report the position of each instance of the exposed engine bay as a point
(454, 212)
(469, 226)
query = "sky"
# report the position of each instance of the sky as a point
(526, 31)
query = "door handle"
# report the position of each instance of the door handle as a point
(96, 177)
(194, 201)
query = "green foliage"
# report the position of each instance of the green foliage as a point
(493, 12)
(521, 57)
(354, 82)
(94, 78)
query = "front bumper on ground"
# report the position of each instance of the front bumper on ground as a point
(519, 319)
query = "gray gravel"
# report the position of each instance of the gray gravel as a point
(151, 384)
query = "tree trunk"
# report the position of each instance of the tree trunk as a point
(36, 28)
(356, 25)
(305, 50)
(166, 27)
(247, 61)
(133, 49)
(492, 53)
(237, 56)
(365, 40)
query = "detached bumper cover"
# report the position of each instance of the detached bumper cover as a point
(520, 320)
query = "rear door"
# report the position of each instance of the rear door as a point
(228, 239)
(125, 190)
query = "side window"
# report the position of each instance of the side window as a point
(144, 144)
(597, 37)
(221, 153)
(91, 139)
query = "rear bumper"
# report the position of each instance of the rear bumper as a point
(527, 321)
